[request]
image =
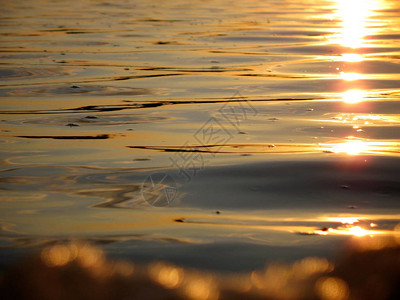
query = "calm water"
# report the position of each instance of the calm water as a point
(214, 134)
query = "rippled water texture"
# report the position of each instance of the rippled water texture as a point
(219, 134)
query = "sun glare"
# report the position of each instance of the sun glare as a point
(348, 230)
(352, 147)
(358, 231)
(345, 220)
(351, 57)
(353, 96)
(350, 76)
(355, 226)
(354, 15)
(355, 146)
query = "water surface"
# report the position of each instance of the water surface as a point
(220, 135)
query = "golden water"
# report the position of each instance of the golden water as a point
(274, 123)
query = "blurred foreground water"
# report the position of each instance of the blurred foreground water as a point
(370, 269)
(217, 135)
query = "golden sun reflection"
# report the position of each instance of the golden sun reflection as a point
(351, 57)
(354, 226)
(354, 15)
(348, 229)
(358, 231)
(350, 76)
(353, 96)
(351, 147)
(345, 220)
(354, 146)
(359, 120)
(353, 230)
